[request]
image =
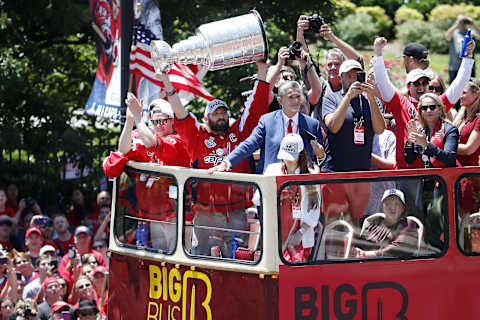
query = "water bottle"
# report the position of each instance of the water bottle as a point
(466, 40)
(144, 234)
(139, 236)
(234, 245)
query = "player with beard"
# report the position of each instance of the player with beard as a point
(219, 204)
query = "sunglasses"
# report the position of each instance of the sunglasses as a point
(98, 246)
(83, 286)
(418, 83)
(88, 313)
(21, 261)
(435, 89)
(431, 107)
(159, 122)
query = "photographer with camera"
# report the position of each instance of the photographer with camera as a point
(280, 73)
(352, 117)
(455, 35)
(334, 58)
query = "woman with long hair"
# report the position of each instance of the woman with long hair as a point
(300, 205)
(468, 122)
(433, 141)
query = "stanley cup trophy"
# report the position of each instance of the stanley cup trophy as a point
(216, 45)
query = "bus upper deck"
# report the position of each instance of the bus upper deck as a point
(251, 270)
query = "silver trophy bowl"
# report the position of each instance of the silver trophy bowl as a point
(216, 45)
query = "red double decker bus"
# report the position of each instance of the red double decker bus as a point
(155, 273)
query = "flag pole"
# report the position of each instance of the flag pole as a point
(126, 27)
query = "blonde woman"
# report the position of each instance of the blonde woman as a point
(433, 141)
(468, 122)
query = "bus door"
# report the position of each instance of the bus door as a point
(387, 245)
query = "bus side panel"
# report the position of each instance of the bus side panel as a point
(144, 289)
(412, 289)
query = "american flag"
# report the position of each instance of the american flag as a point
(182, 77)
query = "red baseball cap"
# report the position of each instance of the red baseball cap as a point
(59, 306)
(33, 230)
(48, 281)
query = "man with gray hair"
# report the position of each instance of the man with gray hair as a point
(273, 127)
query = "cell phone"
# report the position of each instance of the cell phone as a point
(71, 251)
(54, 264)
(3, 260)
(361, 76)
(66, 315)
(19, 276)
(307, 135)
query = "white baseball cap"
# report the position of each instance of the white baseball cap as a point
(348, 65)
(47, 248)
(393, 192)
(291, 146)
(416, 74)
(161, 106)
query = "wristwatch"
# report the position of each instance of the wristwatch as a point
(171, 93)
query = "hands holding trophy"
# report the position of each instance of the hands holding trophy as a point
(216, 45)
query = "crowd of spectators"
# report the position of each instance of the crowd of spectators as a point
(48, 265)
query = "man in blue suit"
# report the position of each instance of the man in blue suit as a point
(273, 127)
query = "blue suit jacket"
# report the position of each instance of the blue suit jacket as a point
(268, 135)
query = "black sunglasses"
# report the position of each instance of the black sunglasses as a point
(98, 246)
(159, 121)
(88, 313)
(435, 89)
(418, 83)
(431, 107)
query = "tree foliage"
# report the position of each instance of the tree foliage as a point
(48, 64)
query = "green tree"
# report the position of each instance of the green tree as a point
(48, 64)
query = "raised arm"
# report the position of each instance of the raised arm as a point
(335, 116)
(378, 123)
(346, 49)
(146, 135)
(274, 72)
(172, 96)
(125, 143)
(306, 64)
(454, 91)
(386, 88)
(302, 25)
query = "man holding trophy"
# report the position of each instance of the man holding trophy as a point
(218, 45)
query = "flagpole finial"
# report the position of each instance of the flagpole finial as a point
(138, 9)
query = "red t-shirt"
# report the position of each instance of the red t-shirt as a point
(8, 211)
(64, 244)
(470, 160)
(208, 149)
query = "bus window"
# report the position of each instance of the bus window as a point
(468, 213)
(222, 220)
(146, 213)
(394, 218)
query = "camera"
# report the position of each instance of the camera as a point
(295, 50)
(361, 76)
(71, 251)
(315, 23)
(466, 21)
(3, 260)
(29, 203)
